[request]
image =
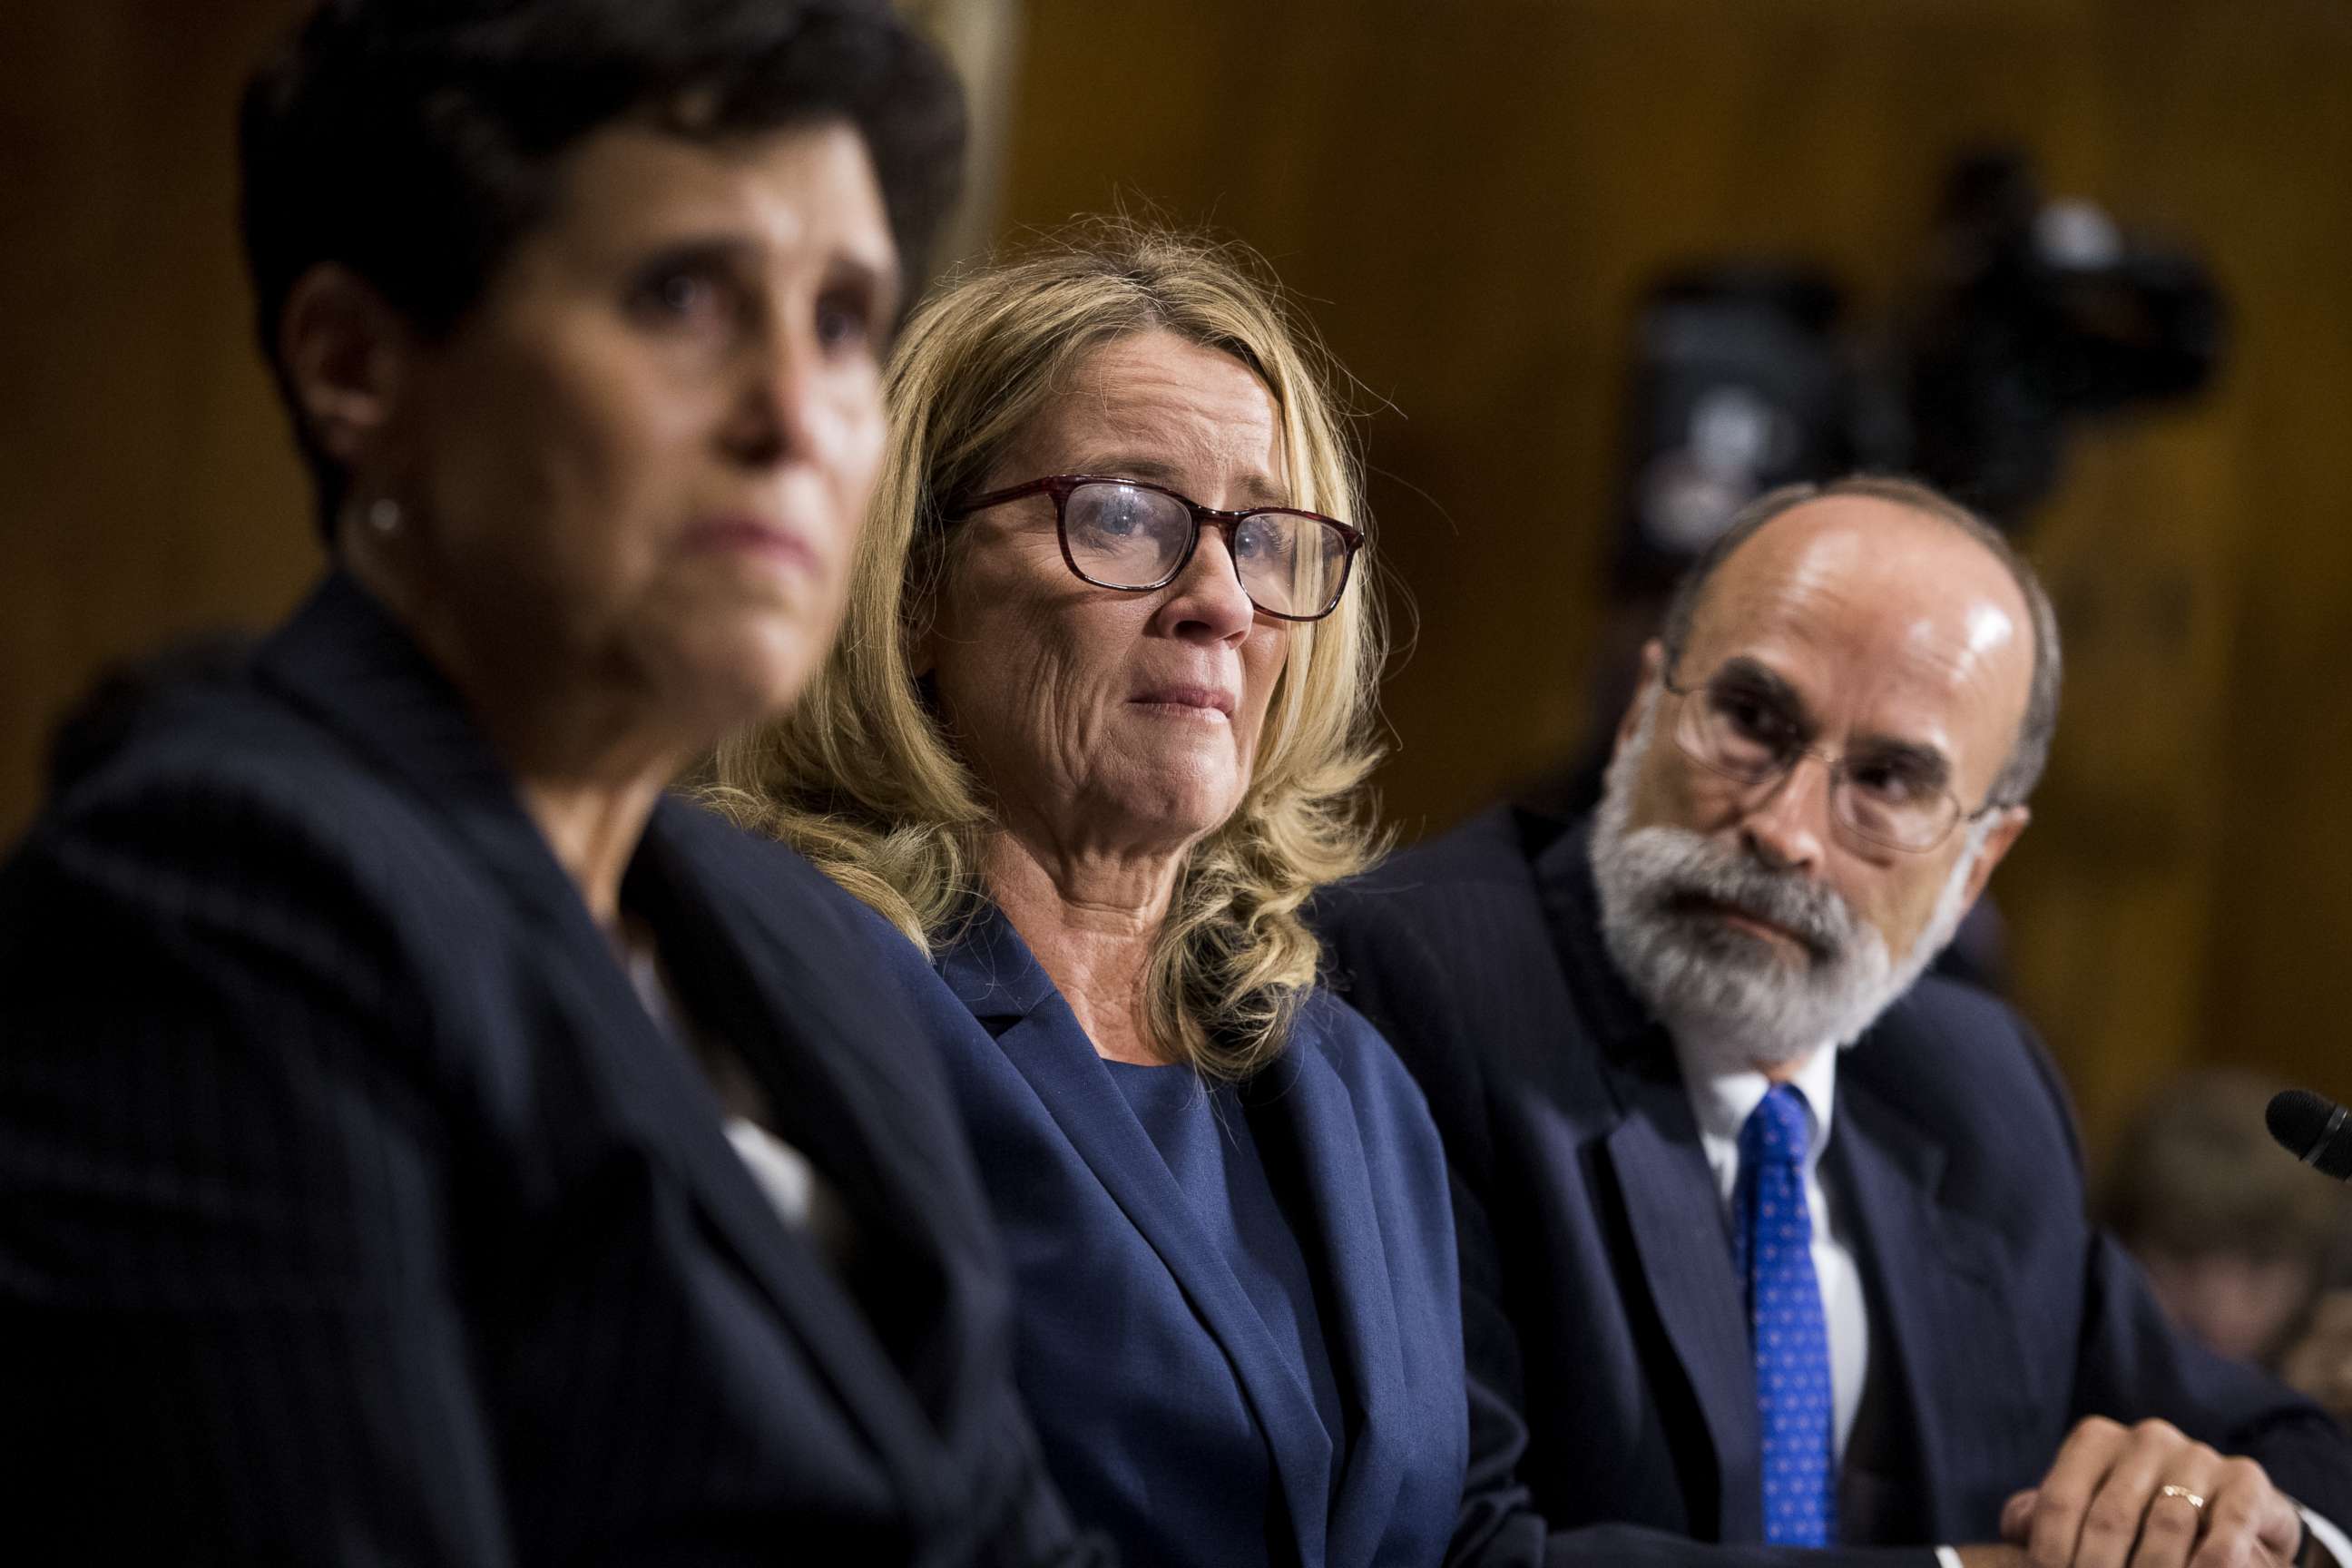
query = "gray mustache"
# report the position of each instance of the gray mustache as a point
(1728, 877)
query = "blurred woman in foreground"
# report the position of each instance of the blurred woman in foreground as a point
(420, 1140)
(1089, 739)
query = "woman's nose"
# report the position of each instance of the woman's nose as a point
(1207, 599)
(784, 410)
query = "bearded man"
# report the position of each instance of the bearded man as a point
(1731, 1289)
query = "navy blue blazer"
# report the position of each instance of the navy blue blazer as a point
(1168, 1415)
(352, 1208)
(1599, 1298)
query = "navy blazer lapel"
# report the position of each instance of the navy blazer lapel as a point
(1302, 1090)
(655, 1087)
(807, 986)
(1937, 1283)
(1672, 1206)
(727, 903)
(1674, 1213)
(359, 673)
(994, 974)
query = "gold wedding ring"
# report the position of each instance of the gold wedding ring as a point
(2184, 1494)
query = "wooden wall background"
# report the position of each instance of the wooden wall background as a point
(1467, 197)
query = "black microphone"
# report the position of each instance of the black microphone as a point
(2316, 1131)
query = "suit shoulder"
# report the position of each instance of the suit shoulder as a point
(790, 877)
(1967, 1031)
(249, 883)
(785, 879)
(234, 791)
(1961, 1060)
(879, 949)
(1388, 1099)
(1456, 922)
(1448, 897)
(1493, 849)
(180, 732)
(1355, 1047)
(789, 895)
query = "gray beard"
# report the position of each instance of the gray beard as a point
(1732, 998)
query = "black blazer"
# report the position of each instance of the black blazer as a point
(1599, 1304)
(354, 1209)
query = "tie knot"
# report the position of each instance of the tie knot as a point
(1777, 1130)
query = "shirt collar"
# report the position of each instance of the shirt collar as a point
(1722, 1103)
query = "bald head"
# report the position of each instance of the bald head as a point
(1897, 566)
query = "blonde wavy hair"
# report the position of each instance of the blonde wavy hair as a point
(863, 777)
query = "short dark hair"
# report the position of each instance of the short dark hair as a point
(2193, 1170)
(415, 141)
(2030, 752)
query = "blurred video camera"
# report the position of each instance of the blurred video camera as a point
(2033, 314)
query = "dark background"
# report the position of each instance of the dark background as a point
(1468, 198)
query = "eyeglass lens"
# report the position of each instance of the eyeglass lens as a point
(1124, 536)
(1896, 799)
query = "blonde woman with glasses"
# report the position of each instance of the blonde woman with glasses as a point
(1091, 738)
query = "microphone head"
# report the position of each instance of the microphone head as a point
(2301, 1121)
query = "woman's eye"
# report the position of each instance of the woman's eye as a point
(679, 299)
(1261, 539)
(1113, 517)
(843, 321)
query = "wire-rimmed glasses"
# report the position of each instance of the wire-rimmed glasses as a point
(1135, 536)
(1893, 794)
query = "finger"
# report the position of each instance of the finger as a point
(2167, 1534)
(2151, 1455)
(2065, 1493)
(2017, 1516)
(2247, 1520)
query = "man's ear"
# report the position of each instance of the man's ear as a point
(346, 352)
(2005, 829)
(1653, 665)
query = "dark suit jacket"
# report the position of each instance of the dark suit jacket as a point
(352, 1208)
(1168, 1414)
(1599, 1296)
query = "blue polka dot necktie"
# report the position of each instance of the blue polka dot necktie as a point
(1772, 1244)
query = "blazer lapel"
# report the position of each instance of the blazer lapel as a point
(727, 912)
(655, 1087)
(1936, 1282)
(818, 1045)
(1302, 1093)
(992, 972)
(1671, 1209)
(1675, 1216)
(360, 674)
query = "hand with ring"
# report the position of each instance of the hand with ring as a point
(2150, 1496)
